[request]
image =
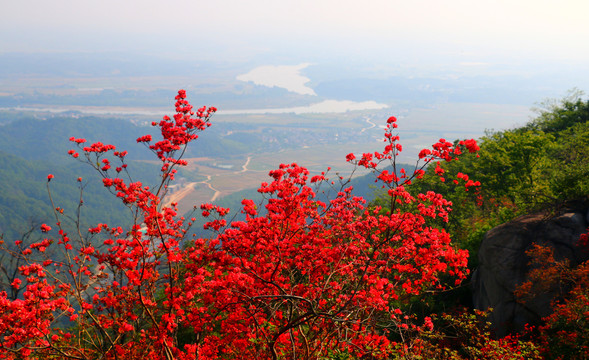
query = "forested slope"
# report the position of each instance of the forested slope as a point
(540, 165)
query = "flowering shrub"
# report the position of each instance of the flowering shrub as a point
(565, 333)
(465, 335)
(297, 278)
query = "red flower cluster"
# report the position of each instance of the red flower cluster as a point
(584, 240)
(299, 277)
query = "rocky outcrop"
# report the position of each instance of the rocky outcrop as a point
(503, 264)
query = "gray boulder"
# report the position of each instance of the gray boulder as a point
(503, 264)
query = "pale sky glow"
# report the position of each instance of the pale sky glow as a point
(524, 28)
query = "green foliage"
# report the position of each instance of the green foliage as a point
(569, 170)
(520, 170)
(512, 164)
(560, 116)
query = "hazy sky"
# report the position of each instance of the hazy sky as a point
(470, 31)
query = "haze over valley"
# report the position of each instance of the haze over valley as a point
(270, 114)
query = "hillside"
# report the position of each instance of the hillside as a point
(521, 170)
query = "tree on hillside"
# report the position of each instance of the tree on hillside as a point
(558, 115)
(525, 169)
